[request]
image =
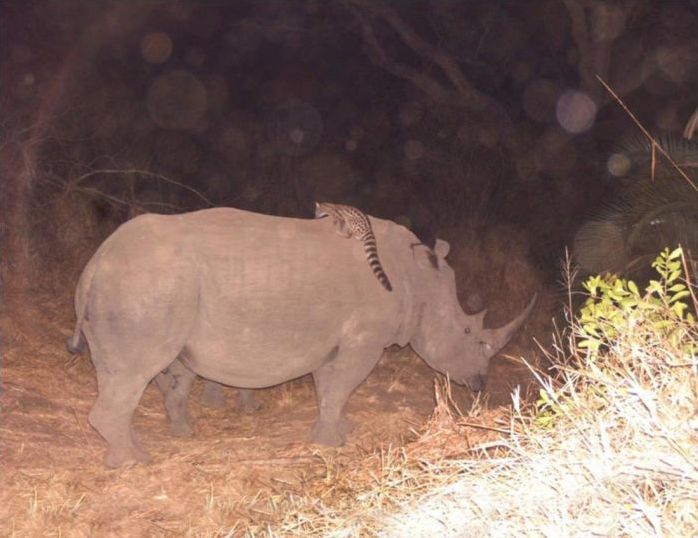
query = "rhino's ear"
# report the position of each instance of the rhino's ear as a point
(424, 256)
(441, 248)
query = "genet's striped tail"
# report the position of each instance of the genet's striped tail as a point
(369, 242)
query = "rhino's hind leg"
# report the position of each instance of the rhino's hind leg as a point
(111, 417)
(334, 382)
(175, 384)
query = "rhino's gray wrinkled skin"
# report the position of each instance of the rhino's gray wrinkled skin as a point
(250, 301)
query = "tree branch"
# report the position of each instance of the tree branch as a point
(379, 56)
(422, 48)
(595, 27)
(462, 95)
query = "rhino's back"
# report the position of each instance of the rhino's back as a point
(242, 258)
(286, 277)
(260, 256)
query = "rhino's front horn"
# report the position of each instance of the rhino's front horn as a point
(499, 337)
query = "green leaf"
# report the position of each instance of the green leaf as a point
(662, 324)
(676, 253)
(592, 284)
(678, 296)
(679, 308)
(628, 304)
(633, 288)
(544, 421)
(654, 287)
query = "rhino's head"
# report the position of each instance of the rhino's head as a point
(448, 339)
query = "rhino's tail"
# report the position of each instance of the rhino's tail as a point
(76, 344)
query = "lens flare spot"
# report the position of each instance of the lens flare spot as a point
(156, 47)
(177, 100)
(575, 111)
(618, 165)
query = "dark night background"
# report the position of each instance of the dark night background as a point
(477, 121)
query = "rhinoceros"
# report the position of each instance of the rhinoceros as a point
(251, 300)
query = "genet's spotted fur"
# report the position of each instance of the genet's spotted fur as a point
(352, 222)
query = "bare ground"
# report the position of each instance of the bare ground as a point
(235, 475)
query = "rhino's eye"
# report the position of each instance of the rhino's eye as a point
(466, 330)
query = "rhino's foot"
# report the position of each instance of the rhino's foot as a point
(212, 395)
(247, 401)
(331, 434)
(125, 457)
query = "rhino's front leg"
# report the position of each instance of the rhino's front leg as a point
(213, 395)
(246, 401)
(334, 382)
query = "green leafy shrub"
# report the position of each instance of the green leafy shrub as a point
(615, 305)
(617, 316)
